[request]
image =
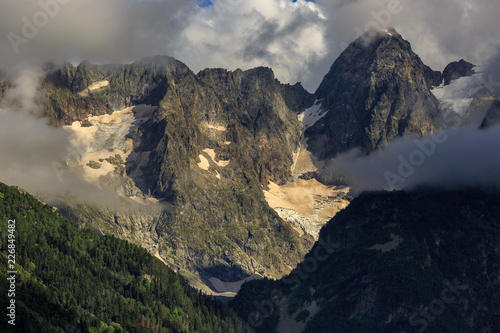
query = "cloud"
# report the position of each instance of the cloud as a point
(33, 32)
(283, 35)
(454, 158)
(31, 150)
(299, 40)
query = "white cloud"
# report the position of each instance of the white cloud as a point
(283, 35)
(298, 40)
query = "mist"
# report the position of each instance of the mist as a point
(33, 153)
(454, 158)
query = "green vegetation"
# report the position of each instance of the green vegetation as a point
(73, 280)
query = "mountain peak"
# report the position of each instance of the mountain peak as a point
(377, 89)
(373, 37)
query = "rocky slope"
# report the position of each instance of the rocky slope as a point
(378, 89)
(392, 262)
(194, 152)
(71, 279)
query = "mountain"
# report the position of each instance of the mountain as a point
(196, 150)
(216, 172)
(72, 279)
(391, 262)
(467, 96)
(377, 89)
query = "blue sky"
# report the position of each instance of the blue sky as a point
(205, 3)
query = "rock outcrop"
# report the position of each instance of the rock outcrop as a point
(456, 70)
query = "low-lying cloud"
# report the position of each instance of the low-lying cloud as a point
(453, 158)
(32, 152)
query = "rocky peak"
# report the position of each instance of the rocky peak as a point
(73, 93)
(376, 90)
(456, 70)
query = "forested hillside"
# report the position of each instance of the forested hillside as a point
(75, 280)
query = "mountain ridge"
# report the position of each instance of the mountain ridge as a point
(210, 146)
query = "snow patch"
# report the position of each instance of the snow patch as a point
(211, 153)
(217, 127)
(204, 164)
(459, 94)
(96, 86)
(99, 85)
(389, 246)
(106, 138)
(307, 204)
(311, 115)
(303, 159)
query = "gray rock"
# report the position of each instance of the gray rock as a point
(456, 70)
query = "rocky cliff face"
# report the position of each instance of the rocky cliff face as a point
(207, 146)
(391, 262)
(378, 89)
(73, 93)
